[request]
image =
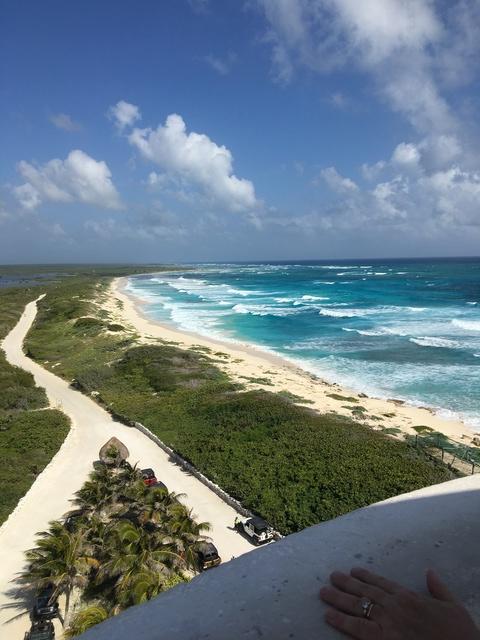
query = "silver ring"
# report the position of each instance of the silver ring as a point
(367, 606)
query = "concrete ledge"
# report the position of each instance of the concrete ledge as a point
(273, 593)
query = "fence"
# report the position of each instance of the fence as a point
(456, 454)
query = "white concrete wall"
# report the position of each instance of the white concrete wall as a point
(273, 593)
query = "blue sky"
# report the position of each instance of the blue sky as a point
(188, 130)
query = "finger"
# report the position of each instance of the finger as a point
(378, 581)
(342, 601)
(437, 588)
(357, 628)
(356, 587)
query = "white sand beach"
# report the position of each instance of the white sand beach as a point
(243, 362)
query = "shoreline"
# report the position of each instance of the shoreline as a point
(258, 369)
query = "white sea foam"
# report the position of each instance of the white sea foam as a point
(339, 266)
(365, 332)
(467, 325)
(475, 302)
(344, 313)
(304, 300)
(433, 341)
(322, 282)
(263, 310)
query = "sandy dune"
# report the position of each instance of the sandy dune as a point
(49, 497)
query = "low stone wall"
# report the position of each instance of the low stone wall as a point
(186, 466)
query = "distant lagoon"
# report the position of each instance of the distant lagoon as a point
(408, 329)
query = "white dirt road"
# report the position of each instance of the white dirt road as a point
(50, 495)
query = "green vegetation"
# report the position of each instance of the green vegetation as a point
(29, 438)
(31, 434)
(420, 428)
(265, 381)
(283, 461)
(123, 544)
(391, 430)
(337, 396)
(288, 395)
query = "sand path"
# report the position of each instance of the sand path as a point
(50, 495)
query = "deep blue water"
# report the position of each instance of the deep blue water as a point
(408, 329)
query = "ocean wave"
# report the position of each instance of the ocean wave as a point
(322, 282)
(366, 332)
(475, 302)
(352, 313)
(339, 266)
(467, 325)
(344, 313)
(306, 299)
(262, 310)
(432, 341)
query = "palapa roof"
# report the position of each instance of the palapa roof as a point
(113, 443)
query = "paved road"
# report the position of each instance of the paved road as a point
(50, 495)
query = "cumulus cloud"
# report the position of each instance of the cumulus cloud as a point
(406, 155)
(412, 51)
(336, 182)
(372, 171)
(77, 178)
(65, 122)
(195, 159)
(124, 114)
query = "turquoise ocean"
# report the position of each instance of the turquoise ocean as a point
(408, 329)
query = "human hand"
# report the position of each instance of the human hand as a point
(369, 607)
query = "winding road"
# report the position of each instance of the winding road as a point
(50, 495)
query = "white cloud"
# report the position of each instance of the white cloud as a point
(196, 160)
(336, 182)
(77, 178)
(372, 171)
(27, 195)
(124, 114)
(65, 122)
(406, 155)
(406, 46)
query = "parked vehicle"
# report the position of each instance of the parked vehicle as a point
(41, 631)
(158, 485)
(46, 605)
(256, 528)
(71, 520)
(208, 556)
(148, 476)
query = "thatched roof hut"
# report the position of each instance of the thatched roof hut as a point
(113, 452)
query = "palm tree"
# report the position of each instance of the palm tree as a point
(85, 619)
(60, 558)
(184, 534)
(132, 551)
